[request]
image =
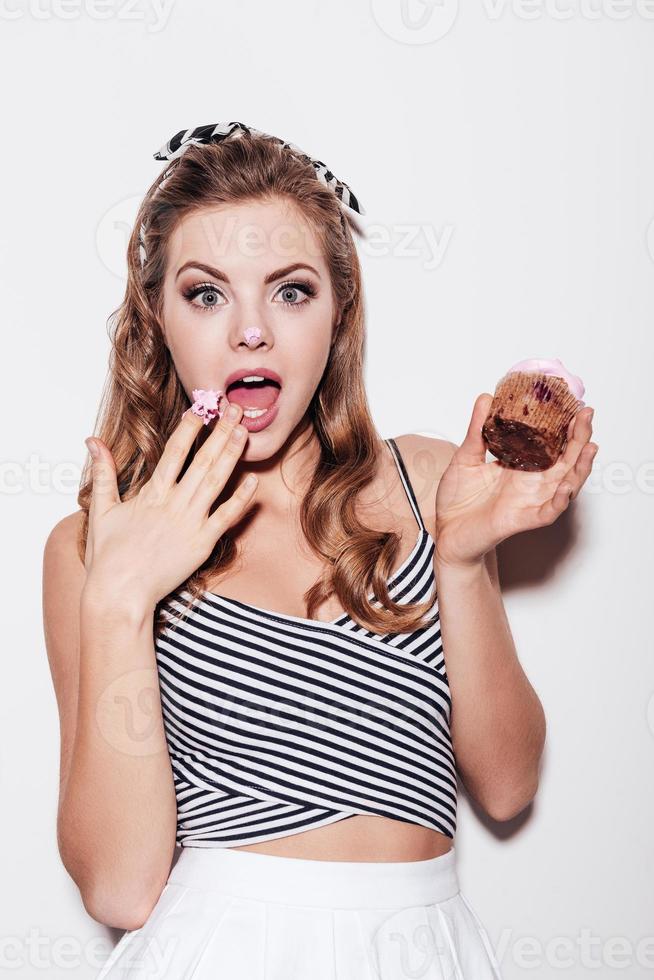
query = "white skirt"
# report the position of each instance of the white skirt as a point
(226, 914)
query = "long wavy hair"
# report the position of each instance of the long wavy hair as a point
(143, 397)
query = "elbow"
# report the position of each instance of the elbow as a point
(119, 895)
(510, 805)
(104, 900)
(517, 793)
(120, 904)
(114, 910)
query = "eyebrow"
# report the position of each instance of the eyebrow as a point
(217, 274)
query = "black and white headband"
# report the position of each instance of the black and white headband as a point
(215, 133)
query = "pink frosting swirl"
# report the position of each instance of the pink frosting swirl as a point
(552, 366)
(207, 403)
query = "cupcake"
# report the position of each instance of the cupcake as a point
(527, 423)
(207, 404)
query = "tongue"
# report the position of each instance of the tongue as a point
(261, 396)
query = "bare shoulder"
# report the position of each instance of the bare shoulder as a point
(436, 451)
(426, 458)
(61, 552)
(63, 579)
(63, 569)
(64, 575)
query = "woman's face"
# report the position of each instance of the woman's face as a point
(242, 266)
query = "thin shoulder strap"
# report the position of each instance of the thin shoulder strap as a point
(404, 476)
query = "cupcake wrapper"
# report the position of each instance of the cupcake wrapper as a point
(527, 423)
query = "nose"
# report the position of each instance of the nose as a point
(252, 336)
(250, 329)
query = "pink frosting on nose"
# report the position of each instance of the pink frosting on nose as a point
(551, 366)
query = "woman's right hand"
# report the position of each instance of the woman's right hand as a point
(141, 549)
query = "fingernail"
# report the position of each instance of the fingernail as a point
(232, 411)
(92, 448)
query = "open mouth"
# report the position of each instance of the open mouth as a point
(254, 393)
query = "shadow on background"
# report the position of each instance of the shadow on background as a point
(529, 559)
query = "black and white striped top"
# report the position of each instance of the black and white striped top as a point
(278, 724)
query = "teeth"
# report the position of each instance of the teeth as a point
(252, 377)
(254, 413)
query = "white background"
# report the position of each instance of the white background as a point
(516, 136)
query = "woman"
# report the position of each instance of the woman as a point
(256, 671)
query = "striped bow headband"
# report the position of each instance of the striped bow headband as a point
(216, 132)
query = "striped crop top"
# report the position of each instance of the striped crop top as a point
(277, 724)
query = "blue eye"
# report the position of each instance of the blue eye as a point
(211, 295)
(203, 289)
(294, 288)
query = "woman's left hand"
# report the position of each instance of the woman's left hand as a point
(479, 504)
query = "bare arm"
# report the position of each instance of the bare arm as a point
(117, 810)
(497, 722)
(116, 817)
